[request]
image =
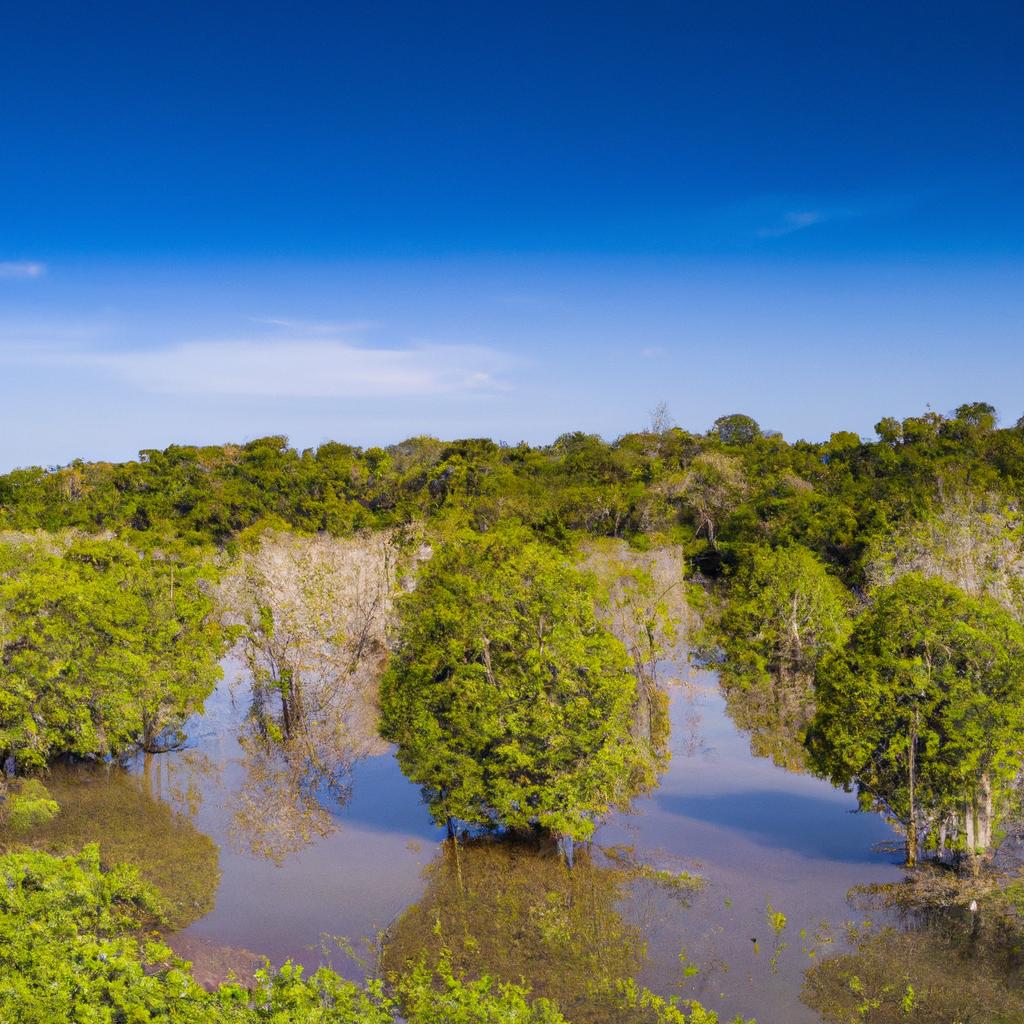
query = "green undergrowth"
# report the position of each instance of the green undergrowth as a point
(80, 944)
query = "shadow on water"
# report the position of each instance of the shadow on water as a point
(808, 825)
(383, 800)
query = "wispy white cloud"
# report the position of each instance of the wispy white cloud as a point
(21, 268)
(652, 352)
(796, 220)
(292, 367)
(305, 368)
(317, 327)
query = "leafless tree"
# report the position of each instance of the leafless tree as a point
(312, 615)
(973, 542)
(643, 602)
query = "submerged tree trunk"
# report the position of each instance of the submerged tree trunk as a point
(567, 848)
(978, 822)
(911, 780)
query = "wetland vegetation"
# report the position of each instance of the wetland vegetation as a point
(457, 731)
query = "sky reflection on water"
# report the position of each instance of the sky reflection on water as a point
(757, 833)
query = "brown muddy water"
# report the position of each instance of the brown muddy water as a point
(258, 857)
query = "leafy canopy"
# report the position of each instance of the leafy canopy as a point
(923, 708)
(103, 649)
(510, 703)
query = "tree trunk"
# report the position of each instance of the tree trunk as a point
(978, 817)
(911, 779)
(970, 840)
(985, 815)
(567, 848)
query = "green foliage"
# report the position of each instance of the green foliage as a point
(73, 948)
(123, 813)
(26, 806)
(98, 657)
(832, 497)
(103, 649)
(736, 429)
(784, 612)
(923, 711)
(511, 705)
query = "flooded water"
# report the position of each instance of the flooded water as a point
(263, 861)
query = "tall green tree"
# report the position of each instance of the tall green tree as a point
(510, 703)
(103, 649)
(785, 610)
(923, 711)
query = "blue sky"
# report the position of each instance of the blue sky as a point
(368, 221)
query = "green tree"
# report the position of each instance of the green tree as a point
(103, 649)
(736, 428)
(923, 711)
(510, 704)
(783, 611)
(713, 486)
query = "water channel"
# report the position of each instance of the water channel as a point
(678, 893)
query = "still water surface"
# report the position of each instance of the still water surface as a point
(352, 864)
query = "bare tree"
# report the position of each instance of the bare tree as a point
(644, 604)
(312, 615)
(661, 419)
(971, 541)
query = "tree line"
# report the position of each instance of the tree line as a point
(514, 668)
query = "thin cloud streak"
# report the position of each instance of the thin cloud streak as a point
(21, 269)
(796, 220)
(286, 368)
(317, 327)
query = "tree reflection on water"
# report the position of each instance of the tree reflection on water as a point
(774, 710)
(939, 961)
(513, 909)
(139, 819)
